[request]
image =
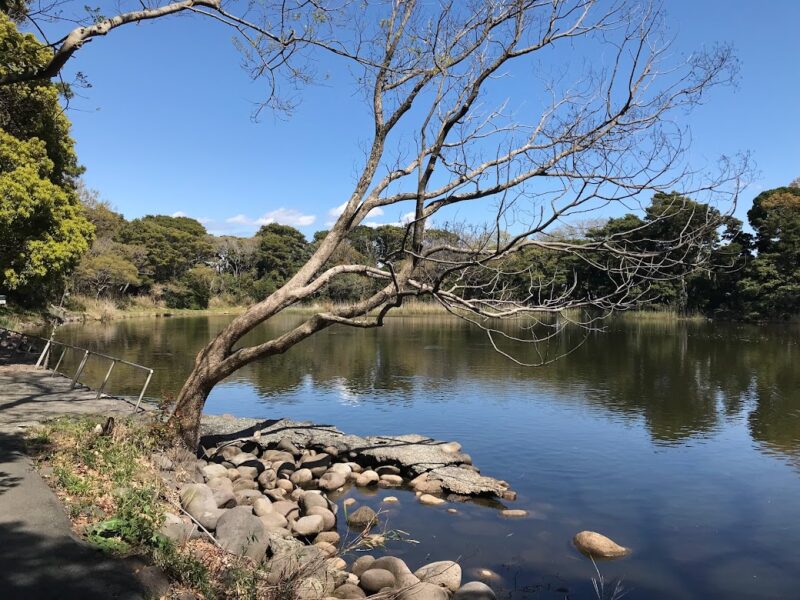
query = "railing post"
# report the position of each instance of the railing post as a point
(108, 374)
(42, 355)
(144, 387)
(60, 358)
(80, 369)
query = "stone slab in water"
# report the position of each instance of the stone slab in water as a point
(413, 454)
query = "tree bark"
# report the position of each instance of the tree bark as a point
(184, 423)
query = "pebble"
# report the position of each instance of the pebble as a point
(429, 500)
(390, 500)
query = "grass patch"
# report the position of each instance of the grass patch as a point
(117, 497)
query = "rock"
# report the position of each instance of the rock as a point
(273, 520)
(390, 500)
(318, 460)
(514, 512)
(349, 591)
(328, 549)
(328, 518)
(308, 526)
(276, 494)
(337, 563)
(367, 478)
(387, 470)
(301, 477)
(445, 573)
(286, 508)
(284, 484)
(213, 470)
(355, 467)
(249, 471)
(596, 544)
(247, 497)
(509, 495)
(233, 474)
(423, 591)
(310, 588)
(287, 446)
(244, 484)
(452, 511)
(373, 580)
(267, 479)
(341, 468)
(361, 564)
(242, 458)
(174, 529)
(474, 590)
(332, 481)
(429, 500)
(281, 456)
(262, 506)
(222, 488)
(391, 480)
(332, 537)
(363, 517)
(450, 447)
(228, 452)
(348, 502)
(426, 485)
(162, 462)
(242, 533)
(197, 499)
(310, 499)
(394, 565)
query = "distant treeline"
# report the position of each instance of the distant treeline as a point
(178, 263)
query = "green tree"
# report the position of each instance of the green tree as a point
(173, 244)
(281, 251)
(42, 229)
(771, 287)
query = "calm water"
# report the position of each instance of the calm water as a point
(681, 441)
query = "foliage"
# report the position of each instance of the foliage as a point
(173, 245)
(42, 230)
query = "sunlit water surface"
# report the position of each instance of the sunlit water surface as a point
(679, 440)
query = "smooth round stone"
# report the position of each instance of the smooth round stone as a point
(262, 506)
(310, 499)
(396, 566)
(301, 477)
(332, 537)
(341, 468)
(308, 526)
(474, 590)
(362, 517)
(429, 500)
(349, 591)
(452, 511)
(514, 512)
(374, 580)
(361, 564)
(273, 520)
(445, 573)
(424, 591)
(392, 480)
(387, 470)
(328, 518)
(286, 507)
(284, 484)
(367, 478)
(390, 500)
(337, 563)
(332, 481)
(348, 502)
(329, 550)
(596, 544)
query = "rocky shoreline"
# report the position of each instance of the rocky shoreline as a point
(268, 490)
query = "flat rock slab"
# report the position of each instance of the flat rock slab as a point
(412, 454)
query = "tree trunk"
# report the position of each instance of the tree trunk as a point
(184, 423)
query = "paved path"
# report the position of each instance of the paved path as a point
(40, 558)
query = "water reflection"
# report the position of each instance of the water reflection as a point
(683, 379)
(662, 435)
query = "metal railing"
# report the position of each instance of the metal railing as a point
(51, 345)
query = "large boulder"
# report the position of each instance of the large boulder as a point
(362, 517)
(242, 533)
(222, 487)
(444, 573)
(332, 481)
(394, 565)
(373, 580)
(596, 544)
(474, 590)
(198, 500)
(308, 526)
(423, 591)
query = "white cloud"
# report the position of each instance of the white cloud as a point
(287, 216)
(239, 220)
(407, 218)
(338, 210)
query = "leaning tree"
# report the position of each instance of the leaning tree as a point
(514, 118)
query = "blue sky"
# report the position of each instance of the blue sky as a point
(166, 127)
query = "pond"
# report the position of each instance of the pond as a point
(680, 440)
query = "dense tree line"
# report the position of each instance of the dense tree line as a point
(56, 236)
